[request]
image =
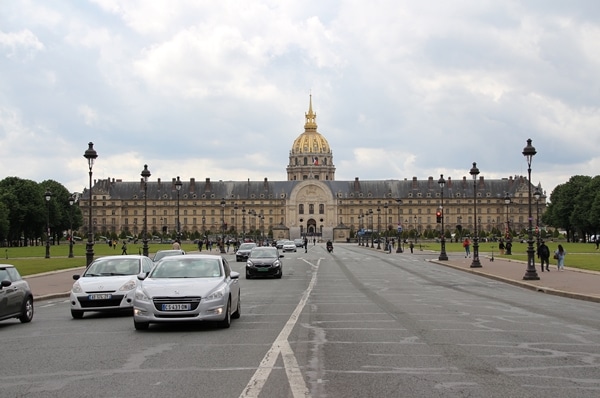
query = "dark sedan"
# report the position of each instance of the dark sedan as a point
(16, 300)
(264, 261)
(244, 250)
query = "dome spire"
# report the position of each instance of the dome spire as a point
(311, 117)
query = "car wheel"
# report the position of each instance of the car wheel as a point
(238, 310)
(27, 311)
(278, 276)
(226, 322)
(248, 275)
(141, 325)
(76, 314)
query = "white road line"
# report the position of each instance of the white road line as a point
(282, 346)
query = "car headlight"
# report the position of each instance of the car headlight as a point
(277, 264)
(140, 294)
(249, 263)
(77, 288)
(131, 284)
(216, 295)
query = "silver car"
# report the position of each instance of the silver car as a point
(16, 300)
(108, 284)
(190, 288)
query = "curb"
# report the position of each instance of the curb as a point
(525, 285)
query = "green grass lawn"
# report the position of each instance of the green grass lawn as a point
(31, 260)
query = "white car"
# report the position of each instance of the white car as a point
(108, 284)
(289, 246)
(190, 288)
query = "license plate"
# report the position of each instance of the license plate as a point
(262, 269)
(100, 296)
(176, 307)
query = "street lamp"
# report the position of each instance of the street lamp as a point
(48, 196)
(223, 225)
(203, 229)
(371, 214)
(71, 202)
(91, 155)
(145, 176)
(378, 227)
(178, 185)
(243, 222)
(537, 194)
(531, 274)
(475, 263)
(416, 231)
(507, 201)
(235, 207)
(443, 256)
(399, 229)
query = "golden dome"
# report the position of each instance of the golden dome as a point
(311, 141)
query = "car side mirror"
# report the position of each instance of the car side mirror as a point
(5, 283)
(281, 256)
(76, 277)
(234, 275)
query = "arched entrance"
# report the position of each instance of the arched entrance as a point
(311, 227)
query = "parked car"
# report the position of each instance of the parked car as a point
(165, 253)
(264, 261)
(190, 288)
(243, 251)
(289, 246)
(108, 284)
(16, 299)
(299, 242)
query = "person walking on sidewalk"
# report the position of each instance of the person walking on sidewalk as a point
(544, 255)
(124, 249)
(467, 246)
(559, 255)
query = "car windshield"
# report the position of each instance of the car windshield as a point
(188, 268)
(263, 253)
(112, 267)
(246, 246)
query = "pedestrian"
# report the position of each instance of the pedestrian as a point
(305, 245)
(544, 255)
(501, 247)
(199, 245)
(314, 241)
(559, 255)
(176, 245)
(124, 248)
(412, 246)
(467, 246)
(228, 244)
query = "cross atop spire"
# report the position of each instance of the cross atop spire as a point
(311, 117)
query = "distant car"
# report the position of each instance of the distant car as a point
(264, 261)
(16, 299)
(108, 284)
(299, 242)
(190, 288)
(243, 251)
(289, 246)
(165, 253)
(279, 243)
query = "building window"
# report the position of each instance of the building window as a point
(311, 209)
(300, 209)
(321, 209)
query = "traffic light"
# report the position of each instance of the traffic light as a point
(438, 216)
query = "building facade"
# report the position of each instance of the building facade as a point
(311, 202)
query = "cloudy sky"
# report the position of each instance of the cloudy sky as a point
(219, 89)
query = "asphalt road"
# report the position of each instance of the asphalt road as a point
(354, 323)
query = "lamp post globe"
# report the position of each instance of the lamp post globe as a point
(71, 202)
(178, 185)
(530, 274)
(48, 196)
(145, 175)
(91, 155)
(443, 256)
(223, 225)
(475, 263)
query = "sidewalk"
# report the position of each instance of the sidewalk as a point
(572, 282)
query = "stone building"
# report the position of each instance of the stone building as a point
(311, 202)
